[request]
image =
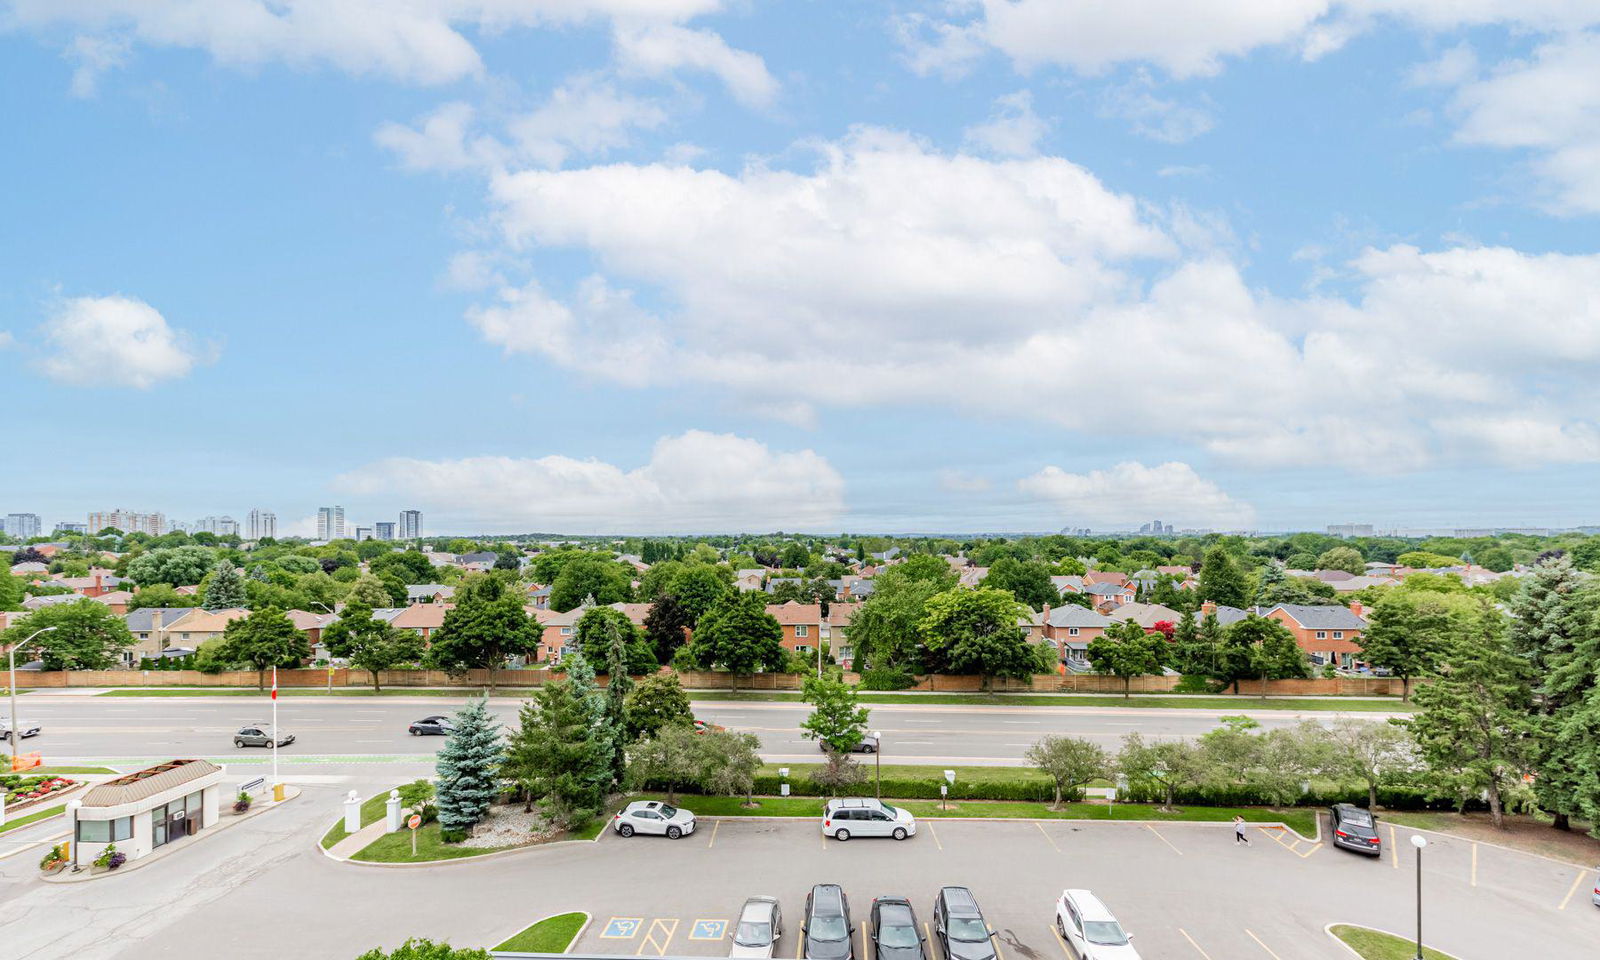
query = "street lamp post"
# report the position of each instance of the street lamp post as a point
(1419, 841)
(877, 760)
(11, 655)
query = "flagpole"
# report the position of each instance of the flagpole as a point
(274, 727)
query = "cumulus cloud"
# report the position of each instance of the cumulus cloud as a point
(1131, 493)
(1156, 118)
(114, 341)
(693, 482)
(441, 140)
(658, 49)
(1012, 130)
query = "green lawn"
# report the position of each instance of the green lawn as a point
(311, 692)
(1373, 945)
(550, 935)
(1141, 700)
(63, 771)
(912, 771)
(396, 848)
(1302, 821)
(372, 810)
(13, 823)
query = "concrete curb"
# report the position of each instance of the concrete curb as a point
(587, 919)
(1267, 824)
(1361, 926)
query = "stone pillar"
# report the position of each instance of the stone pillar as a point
(352, 813)
(391, 819)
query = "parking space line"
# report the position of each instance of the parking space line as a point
(666, 925)
(1057, 934)
(1163, 839)
(1572, 889)
(935, 834)
(1394, 847)
(717, 825)
(1263, 946)
(1047, 836)
(999, 953)
(1474, 863)
(1196, 946)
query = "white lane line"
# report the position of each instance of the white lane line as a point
(924, 721)
(1032, 723)
(914, 743)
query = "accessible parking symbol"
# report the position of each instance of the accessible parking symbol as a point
(622, 928)
(708, 930)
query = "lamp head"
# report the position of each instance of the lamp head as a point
(1418, 841)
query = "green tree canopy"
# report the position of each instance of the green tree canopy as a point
(418, 948)
(655, 702)
(1071, 763)
(590, 576)
(739, 636)
(87, 636)
(178, 566)
(1407, 631)
(225, 588)
(370, 644)
(666, 627)
(1221, 581)
(1028, 581)
(976, 631)
(1348, 559)
(467, 769)
(1124, 650)
(487, 625)
(837, 719)
(265, 639)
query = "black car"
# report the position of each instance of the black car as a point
(896, 935)
(827, 928)
(960, 927)
(1355, 828)
(430, 726)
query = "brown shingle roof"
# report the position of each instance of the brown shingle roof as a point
(795, 612)
(148, 782)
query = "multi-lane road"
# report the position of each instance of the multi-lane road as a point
(371, 729)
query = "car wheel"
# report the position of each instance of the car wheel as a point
(899, 833)
(869, 749)
(841, 835)
(415, 732)
(674, 833)
(626, 829)
(238, 743)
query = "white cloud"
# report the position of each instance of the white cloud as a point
(582, 116)
(658, 49)
(1012, 130)
(442, 140)
(1130, 493)
(693, 482)
(6, 339)
(114, 341)
(897, 274)
(1451, 68)
(960, 481)
(94, 56)
(1148, 115)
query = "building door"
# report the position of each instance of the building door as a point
(158, 826)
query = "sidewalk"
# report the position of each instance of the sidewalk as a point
(357, 842)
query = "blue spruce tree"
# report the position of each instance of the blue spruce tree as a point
(467, 767)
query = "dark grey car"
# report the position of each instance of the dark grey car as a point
(896, 935)
(260, 735)
(958, 923)
(1355, 828)
(828, 933)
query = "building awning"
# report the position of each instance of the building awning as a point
(148, 782)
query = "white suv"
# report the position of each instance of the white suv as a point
(858, 817)
(651, 816)
(1089, 928)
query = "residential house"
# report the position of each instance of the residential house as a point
(837, 632)
(149, 626)
(857, 588)
(1071, 627)
(1067, 583)
(1354, 584)
(1105, 576)
(1226, 616)
(198, 626)
(1328, 633)
(1378, 568)
(1146, 615)
(99, 581)
(479, 562)
(51, 600)
(539, 597)
(117, 600)
(1109, 596)
(560, 627)
(749, 579)
(1145, 579)
(429, 592)
(441, 559)
(801, 623)
(422, 618)
(30, 570)
(1179, 571)
(311, 623)
(972, 576)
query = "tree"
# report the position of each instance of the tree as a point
(618, 685)
(740, 636)
(1375, 754)
(731, 763)
(371, 591)
(590, 576)
(411, 566)
(1189, 655)
(1280, 655)
(699, 587)
(11, 592)
(487, 625)
(1347, 559)
(423, 949)
(1420, 559)
(1239, 653)
(1124, 650)
(600, 627)
(1028, 581)
(1408, 629)
(159, 595)
(370, 644)
(1474, 724)
(666, 626)
(1069, 762)
(837, 719)
(87, 636)
(225, 590)
(977, 631)
(467, 768)
(178, 566)
(1221, 581)
(657, 701)
(672, 758)
(1166, 765)
(266, 638)
(885, 631)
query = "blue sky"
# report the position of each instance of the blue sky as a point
(690, 265)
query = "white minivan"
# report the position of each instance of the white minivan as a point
(861, 817)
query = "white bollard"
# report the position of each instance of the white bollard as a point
(391, 821)
(352, 813)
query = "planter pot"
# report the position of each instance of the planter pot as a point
(54, 868)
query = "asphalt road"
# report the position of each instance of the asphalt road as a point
(374, 729)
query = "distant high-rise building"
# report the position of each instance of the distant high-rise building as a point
(260, 524)
(363, 533)
(128, 521)
(383, 530)
(1350, 530)
(330, 523)
(410, 524)
(23, 525)
(67, 526)
(223, 526)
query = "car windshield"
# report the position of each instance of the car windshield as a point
(827, 928)
(891, 811)
(752, 934)
(667, 811)
(968, 929)
(897, 935)
(1108, 932)
(1359, 818)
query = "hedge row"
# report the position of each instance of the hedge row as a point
(1393, 798)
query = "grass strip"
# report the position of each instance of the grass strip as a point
(912, 771)
(550, 935)
(372, 810)
(1377, 945)
(1303, 822)
(27, 818)
(396, 848)
(62, 771)
(460, 692)
(1147, 701)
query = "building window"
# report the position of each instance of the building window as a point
(1072, 631)
(1338, 634)
(566, 631)
(105, 831)
(801, 630)
(1322, 634)
(801, 648)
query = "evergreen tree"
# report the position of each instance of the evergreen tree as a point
(560, 753)
(618, 685)
(1188, 653)
(225, 591)
(666, 626)
(593, 699)
(1221, 580)
(467, 766)
(1238, 655)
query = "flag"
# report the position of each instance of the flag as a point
(274, 683)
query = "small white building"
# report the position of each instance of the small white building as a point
(140, 812)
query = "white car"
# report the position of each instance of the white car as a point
(27, 727)
(758, 929)
(1089, 928)
(651, 816)
(849, 817)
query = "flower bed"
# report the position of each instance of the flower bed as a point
(21, 791)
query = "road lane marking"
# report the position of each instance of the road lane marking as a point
(1163, 839)
(1474, 863)
(1263, 946)
(715, 826)
(1193, 944)
(1572, 889)
(927, 936)
(935, 834)
(1062, 942)
(1394, 847)
(1047, 835)
(660, 925)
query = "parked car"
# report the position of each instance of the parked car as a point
(827, 928)
(652, 816)
(896, 935)
(1090, 930)
(758, 929)
(848, 817)
(1595, 899)
(260, 735)
(959, 925)
(25, 729)
(430, 727)
(868, 744)
(1355, 828)
(700, 726)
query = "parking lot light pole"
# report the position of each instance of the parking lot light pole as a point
(877, 760)
(11, 655)
(1419, 841)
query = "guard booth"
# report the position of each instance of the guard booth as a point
(144, 811)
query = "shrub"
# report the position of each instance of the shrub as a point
(887, 678)
(1194, 683)
(452, 836)
(241, 803)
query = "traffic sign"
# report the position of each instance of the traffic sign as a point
(414, 821)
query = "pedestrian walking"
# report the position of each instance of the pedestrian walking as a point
(1238, 832)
